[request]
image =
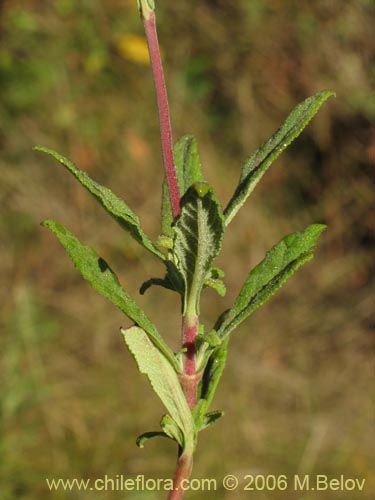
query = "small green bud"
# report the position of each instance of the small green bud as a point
(201, 188)
(165, 241)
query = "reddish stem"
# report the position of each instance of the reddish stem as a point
(183, 471)
(189, 333)
(164, 117)
(190, 379)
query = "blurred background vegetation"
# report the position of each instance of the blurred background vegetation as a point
(75, 77)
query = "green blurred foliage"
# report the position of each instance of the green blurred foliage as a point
(295, 390)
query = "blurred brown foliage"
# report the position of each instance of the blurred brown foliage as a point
(296, 388)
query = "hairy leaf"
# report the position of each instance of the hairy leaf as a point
(257, 164)
(218, 285)
(267, 277)
(101, 277)
(211, 376)
(213, 372)
(210, 418)
(214, 281)
(164, 381)
(198, 236)
(170, 430)
(116, 207)
(189, 171)
(141, 440)
(156, 282)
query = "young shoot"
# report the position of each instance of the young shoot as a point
(193, 223)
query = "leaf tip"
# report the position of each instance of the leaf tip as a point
(323, 96)
(46, 223)
(330, 93)
(140, 442)
(42, 149)
(123, 331)
(318, 229)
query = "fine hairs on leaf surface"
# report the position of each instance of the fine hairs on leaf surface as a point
(268, 276)
(116, 207)
(198, 234)
(192, 230)
(164, 381)
(257, 164)
(101, 277)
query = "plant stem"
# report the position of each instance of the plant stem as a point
(190, 379)
(183, 471)
(149, 22)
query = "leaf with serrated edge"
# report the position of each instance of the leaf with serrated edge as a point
(267, 277)
(257, 164)
(188, 170)
(101, 277)
(164, 380)
(198, 236)
(116, 207)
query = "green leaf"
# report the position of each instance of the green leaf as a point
(188, 163)
(140, 441)
(214, 281)
(189, 171)
(166, 211)
(198, 236)
(211, 338)
(170, 430)
(212, 373)
(257, 164)
(268, 276)
(210, 418)
(155, 282)
(173, 280)
(217, 285)
(116, 207)
(101, 277)
(164, 381)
